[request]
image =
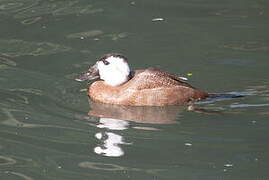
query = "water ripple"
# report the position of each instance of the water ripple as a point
(17, 47)
(247, 105)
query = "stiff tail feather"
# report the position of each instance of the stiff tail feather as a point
(224, 96)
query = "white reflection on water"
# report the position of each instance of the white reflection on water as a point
(110, 141)
(113, 124)
(111, 145)
(116, 118)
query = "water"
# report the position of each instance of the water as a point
(48, 129)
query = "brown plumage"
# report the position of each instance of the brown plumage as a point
(150, 87)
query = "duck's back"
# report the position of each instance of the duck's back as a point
(150, 87)
(154, 79)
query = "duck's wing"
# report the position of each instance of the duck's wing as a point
(154, 78)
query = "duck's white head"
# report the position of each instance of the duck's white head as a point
(112, 68)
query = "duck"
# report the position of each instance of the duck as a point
(115, 83)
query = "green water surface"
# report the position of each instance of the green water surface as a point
(46, 132)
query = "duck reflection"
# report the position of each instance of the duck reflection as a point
(115, 118)
(139, 114)
(110, 144)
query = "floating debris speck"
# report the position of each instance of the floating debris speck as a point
(157, 19)
(228, 165)
(189, 74)
(83, 90)
(188, 144)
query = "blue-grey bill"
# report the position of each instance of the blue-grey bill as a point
(91, 74)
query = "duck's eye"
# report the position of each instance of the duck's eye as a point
(105, 62)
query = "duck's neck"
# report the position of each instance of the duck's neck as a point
(116, 79)
(131, 75)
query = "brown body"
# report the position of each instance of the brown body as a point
(150, 87)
